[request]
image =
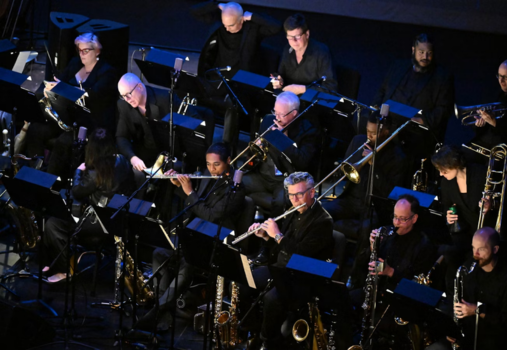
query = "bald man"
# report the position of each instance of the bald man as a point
(139, 103)
(235, 39)
(489, 130)
(487, 284)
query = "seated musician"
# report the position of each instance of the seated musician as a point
(97, 78)
(489, 130)
(487, 284)
(304, 60)
(103, 174)
(461, 187)
(405, 253)
(218, 205)
(390, 171)
(307, 231)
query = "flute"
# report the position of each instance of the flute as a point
(190, 176)
(249, 233)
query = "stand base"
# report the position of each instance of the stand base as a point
(42, 303)
(112, 305)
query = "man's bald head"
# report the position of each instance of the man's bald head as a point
(502, 76)
(132, 90)
(489, 235)
(485, 245)
(232, 17)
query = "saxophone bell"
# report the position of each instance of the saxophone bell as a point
(300, 330)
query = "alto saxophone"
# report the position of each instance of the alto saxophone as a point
(143, 294)
(370, 290)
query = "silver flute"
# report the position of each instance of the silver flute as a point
(249, 233)
(190, 176)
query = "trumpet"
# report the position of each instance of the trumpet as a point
(249, 233)
(496, 109)
(52, 113)
(479, 149)
(185, 103)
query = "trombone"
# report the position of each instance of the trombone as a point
(261, 150)
(496, 109)
(483, 151)
(351, 171)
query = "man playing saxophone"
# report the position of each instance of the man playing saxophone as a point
(307, 231)
(487, 285)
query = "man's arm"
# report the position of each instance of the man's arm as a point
(326, 68)
(268, 26)
(306, 149)
(208, 12)
(320, 236)
(123, 135)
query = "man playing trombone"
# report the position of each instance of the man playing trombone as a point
(307, 231)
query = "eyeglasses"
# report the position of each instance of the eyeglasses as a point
(400, 219)
(298, 195)
(84, 51)
(278, 115)
(128, 95)
(501, 77)
(295, 37)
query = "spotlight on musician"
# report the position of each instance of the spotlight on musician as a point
(304, 60)
(486, 284)
(214, 204)
(307, 231)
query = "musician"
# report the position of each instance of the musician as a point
(308, 232)
(268, 177)
(462, 187)
(304, 60)
(103, 174)
(97, 78)
(216, 202)
(486, 284)
(489, 130)
(139, 103)
(423, 84)
(236, 41)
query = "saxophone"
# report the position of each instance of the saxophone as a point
(219, 318)
(370, 290)
(459, 284)
(143, 294)
(319, 339)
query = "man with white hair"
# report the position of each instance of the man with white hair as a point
(235, 42)
(264, 184)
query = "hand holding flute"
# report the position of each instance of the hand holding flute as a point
(181, 180)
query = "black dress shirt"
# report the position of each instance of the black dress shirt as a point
(316, 63)
(488, 135)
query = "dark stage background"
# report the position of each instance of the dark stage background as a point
(368, 46)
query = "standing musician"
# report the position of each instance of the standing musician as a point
(405, 253)
(486, 284)
(217, 204)
(307, 231)
(304, 60)
(97, 78)
(103, 174)
(489, 130)
(420, 83)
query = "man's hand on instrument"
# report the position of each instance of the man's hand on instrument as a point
(452, 340)
(260, 233)
(174, 181)
(277, 125)
(366, 151)
(137, 163)
(464, 309)
(487, 118)
(186, 184)
(485, 204)
(479, 122)
(276, 81)
(247, 16)
(373, 235)
(82, 167)
(270, 227)
(297, 89)
(388, 270)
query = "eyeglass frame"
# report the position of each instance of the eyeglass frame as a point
(298, 195)
(283, 116)
(295, 37)
(129, 94)
(82, 51)
(501, 77)
(402, 220)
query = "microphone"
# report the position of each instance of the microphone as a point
(238, 177)
(5, 137)
(384, 111)
(318, 81)
(81, 136)
(223, 69)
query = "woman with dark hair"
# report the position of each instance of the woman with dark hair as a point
(103, 174)
(98, 79)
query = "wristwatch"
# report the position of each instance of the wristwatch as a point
(278, 237)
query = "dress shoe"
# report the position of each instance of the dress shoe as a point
(263, 257)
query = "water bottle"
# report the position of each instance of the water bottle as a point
(455, 227)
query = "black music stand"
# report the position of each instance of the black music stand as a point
(201, 249)
(44, 201)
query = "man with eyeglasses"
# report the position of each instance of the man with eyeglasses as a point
(490, 131)
(236, 38)
(304, 60)
(138, 104)
(264, 184)
(308, 232)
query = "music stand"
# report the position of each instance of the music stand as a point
(199, 246)
(42, 200)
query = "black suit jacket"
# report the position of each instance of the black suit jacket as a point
(133, 134)
(101, 88)
(435, 97)
(254, 31)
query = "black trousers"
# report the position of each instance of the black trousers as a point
(38, 137)
(167, 281)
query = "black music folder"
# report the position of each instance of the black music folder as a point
(251, 79)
